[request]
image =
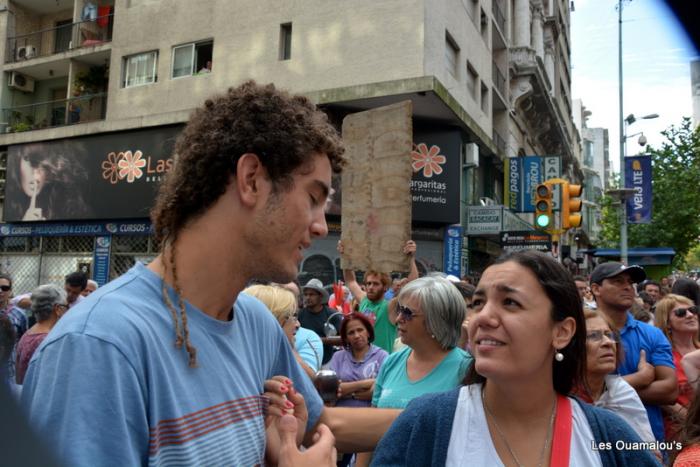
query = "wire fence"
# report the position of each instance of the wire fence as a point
(32, 261)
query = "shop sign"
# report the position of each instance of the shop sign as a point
(484, 220)
(113, 176)
(100, 260)
(521, 177)
(45, 229)
(454, 240)
(526, 240)
(436, 176)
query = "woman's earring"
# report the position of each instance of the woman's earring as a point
(558, 356)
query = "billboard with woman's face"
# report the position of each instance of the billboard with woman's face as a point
(112, 176)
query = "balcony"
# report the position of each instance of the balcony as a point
(499, 80)
(59, 39)
(498, 16)
(500, 142)
(40, 115)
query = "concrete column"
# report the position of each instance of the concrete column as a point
(537, 31)
(549, 64)
(521, 18)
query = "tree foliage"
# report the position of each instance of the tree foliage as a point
(676, 197)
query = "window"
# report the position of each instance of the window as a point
(484, 26)
(472, 80)
(192, 59)
(484, 98)
(140, 69)
(285, 41)
(451, 54)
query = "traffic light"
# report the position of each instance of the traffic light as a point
(571, 205)
(544, 219)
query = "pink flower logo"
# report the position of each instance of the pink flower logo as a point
(429, 160)
(130, 166)
(110, 170)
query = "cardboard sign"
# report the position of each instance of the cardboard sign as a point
(376, 186)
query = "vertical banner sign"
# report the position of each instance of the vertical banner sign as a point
(512, 183)
(532, 176)
(552, 169)
(638, 176)
(100, 270)
(453, 250)
(523, 174)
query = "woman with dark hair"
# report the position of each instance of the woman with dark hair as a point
(45, 185)
(357, 365)
(529, 345)
(7, 343)
(687, 288)
(601, 386)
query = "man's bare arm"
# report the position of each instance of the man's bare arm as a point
(356, 429)
(664, 389)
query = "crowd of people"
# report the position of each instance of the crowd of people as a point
(213, 354)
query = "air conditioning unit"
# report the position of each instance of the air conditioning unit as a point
(21, 82)
(470, 155)
(26, 52)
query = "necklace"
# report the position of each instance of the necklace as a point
(505, 441)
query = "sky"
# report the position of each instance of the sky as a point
(656, 55)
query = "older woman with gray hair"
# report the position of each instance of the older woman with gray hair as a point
(430, 314)
(49, 303)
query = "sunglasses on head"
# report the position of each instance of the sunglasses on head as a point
(681, 312)
(5, 288)
(406, 312)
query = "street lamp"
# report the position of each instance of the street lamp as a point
(624, 124)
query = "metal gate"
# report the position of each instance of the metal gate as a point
(32, 261)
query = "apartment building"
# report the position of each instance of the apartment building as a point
(96, 92)
(595, 160)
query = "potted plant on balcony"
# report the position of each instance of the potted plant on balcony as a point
(92, 81)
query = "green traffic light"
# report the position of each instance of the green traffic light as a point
(542, 220)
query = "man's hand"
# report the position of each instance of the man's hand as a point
(409, 248)
(645, 368)
(644, 375)
(321, 454)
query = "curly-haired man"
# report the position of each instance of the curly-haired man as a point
(245, 197)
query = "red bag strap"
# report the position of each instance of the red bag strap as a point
(561, 439)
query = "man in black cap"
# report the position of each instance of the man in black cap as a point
(648, 363)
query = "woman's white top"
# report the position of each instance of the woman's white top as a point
(621, 398)
(471, 444)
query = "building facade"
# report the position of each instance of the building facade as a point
(100, 89)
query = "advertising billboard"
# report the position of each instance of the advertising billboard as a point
(112, 176)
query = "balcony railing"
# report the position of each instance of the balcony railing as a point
(82, 109)
(499, 16)
(59, 39)
(498, 79)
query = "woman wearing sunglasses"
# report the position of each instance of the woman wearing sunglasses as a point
(677, 317)
(601, 387)
(529, 345)
(430, 314)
